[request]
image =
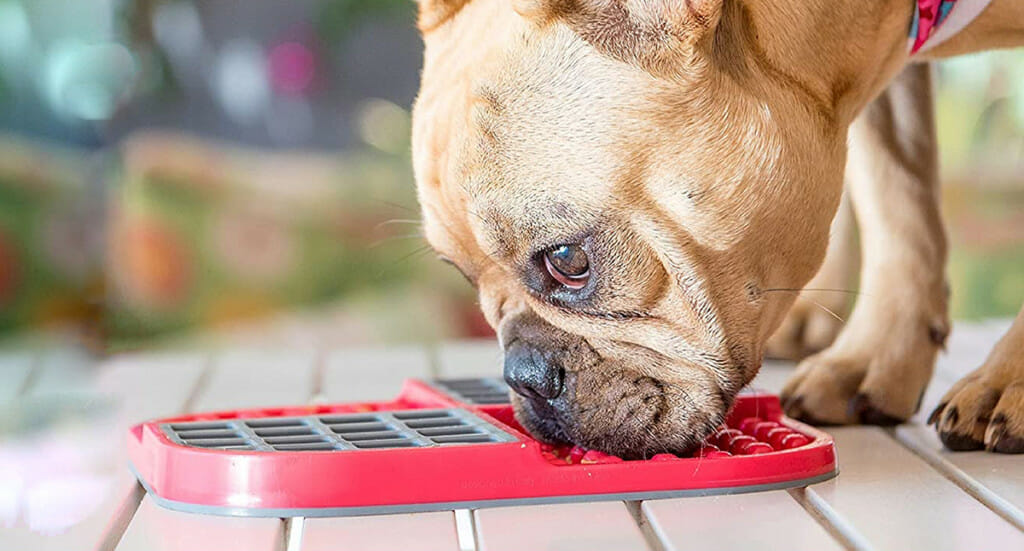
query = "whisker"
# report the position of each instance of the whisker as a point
(826, 309)
(700, 459)
(419, 251)
(812, 301)
(396, 205)
(410, 221)
(812, 289)
(392, 238)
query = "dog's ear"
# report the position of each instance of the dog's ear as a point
(435, 12)
(657, 35)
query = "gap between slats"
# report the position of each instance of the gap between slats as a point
(122, 518)
(830, 520)
(433, 360)
(291, 533)
(316, 394)
(34, 370)
(293, 527)
(654, 543)
(465, 530)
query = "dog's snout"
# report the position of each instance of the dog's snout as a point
(531, 374)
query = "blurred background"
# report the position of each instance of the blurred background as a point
(226, 171)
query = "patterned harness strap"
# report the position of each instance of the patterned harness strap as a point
(930, 15)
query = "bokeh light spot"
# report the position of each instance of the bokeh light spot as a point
(240, 82)
(292, 67)
(88, 81)
(383, 125)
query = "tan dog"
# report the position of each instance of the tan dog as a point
(639, 188)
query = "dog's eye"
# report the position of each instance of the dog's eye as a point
(568, 265)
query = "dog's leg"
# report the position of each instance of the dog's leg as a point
(879, 366)
(816, 317)
(986, 408)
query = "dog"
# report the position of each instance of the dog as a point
(639, 190)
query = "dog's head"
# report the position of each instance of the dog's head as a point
(625, 184)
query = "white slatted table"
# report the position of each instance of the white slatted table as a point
(898, 489)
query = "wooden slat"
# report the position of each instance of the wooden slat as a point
(421, 531)
(897, 501)
(362, 374)
(470, 358)
(765, 521)
(147, 386)
(258, 378)
(606, 526)
(15, 368)
(157, 529)
(238, 379)
(89, 487)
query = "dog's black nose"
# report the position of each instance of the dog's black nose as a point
(530, 374)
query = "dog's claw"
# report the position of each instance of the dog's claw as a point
(949, 418)
(996, 439)
(956, 441)
(994, 432)
(933, 417)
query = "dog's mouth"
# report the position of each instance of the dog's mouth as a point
(620, 398)
(633, 417)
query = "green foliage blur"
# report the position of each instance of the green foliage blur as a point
(180, 167)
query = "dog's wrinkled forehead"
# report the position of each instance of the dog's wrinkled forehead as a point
(551, 131)
(559, 127)
(550, 120)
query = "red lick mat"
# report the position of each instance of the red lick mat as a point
(446, 444)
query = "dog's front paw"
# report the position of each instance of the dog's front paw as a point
(822, 389)
(869, 376)
(986, 408)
